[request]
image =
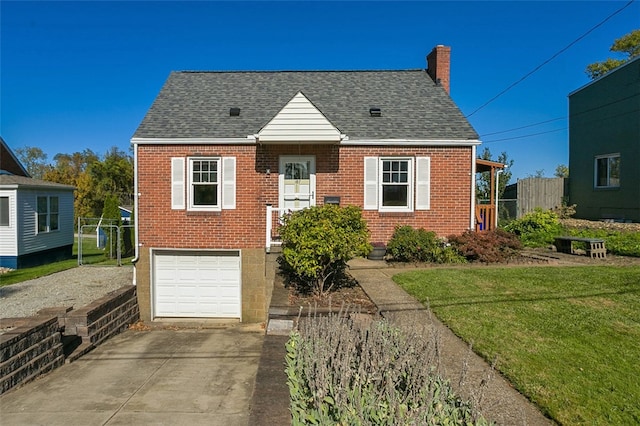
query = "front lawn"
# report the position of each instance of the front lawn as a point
(567, 337)
(91, 256)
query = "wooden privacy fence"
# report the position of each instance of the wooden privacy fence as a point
(545, 193)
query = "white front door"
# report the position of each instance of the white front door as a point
(297, 182)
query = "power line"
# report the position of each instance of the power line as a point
(565, 128)
(551, 58)
(526, 136)
(524, 127)
(565, 118)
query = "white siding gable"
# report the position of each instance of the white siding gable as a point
(299, 121)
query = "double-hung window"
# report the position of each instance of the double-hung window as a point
(396, 184)
(607, 171)
(204, 184)
(208, 183)
(47, 214)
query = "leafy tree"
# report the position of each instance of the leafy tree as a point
(628, 44)
(84, 201)
(483, 182)
(34, 160)
(95, 178)
(72, 169)
(562, 171)
(113, 175)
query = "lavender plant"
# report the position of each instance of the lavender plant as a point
(340, 373)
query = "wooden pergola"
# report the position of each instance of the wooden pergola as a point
(486, 214)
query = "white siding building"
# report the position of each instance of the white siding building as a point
(36, 221)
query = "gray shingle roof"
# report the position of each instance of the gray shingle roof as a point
(196, 104)
(8, 180)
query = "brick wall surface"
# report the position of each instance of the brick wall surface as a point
(339, 172)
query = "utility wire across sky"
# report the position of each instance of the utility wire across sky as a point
(551, 58)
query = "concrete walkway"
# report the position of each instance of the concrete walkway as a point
(159, 377)
(500, 402)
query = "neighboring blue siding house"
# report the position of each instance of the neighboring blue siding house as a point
(36, 217)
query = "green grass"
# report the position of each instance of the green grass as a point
(91, 255)
(567, 337)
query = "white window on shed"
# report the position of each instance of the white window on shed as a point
(4, 211)
(47, 214)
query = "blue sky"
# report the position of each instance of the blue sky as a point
(77, 75)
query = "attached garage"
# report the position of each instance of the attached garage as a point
(196, 284)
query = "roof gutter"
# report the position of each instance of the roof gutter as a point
(193, 141)
(411, 142)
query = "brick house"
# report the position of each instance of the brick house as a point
(217, 150)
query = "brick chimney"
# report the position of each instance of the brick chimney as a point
(439, 65)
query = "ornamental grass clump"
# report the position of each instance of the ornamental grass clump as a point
(340, 373)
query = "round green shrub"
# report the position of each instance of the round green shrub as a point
(418, 245)
(537, 228)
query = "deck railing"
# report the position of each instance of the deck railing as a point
(485, 217)
(274, 222)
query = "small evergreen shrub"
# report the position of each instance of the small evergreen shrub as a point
(418, 245)
(318, 242)
(537, 228)
(489, 247)
(341, 374)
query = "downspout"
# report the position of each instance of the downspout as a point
(472, 220)
(136, 211)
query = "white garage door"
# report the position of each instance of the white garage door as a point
(197, 284)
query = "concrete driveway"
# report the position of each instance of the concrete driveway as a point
(159, 377)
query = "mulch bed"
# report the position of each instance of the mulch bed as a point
(353, 298)
(356, 300)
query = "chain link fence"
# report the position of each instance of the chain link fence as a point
(104, 241)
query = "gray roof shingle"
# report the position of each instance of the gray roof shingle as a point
(196, 104)
(9, 180)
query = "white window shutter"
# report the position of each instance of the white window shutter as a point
(423, 183)
(370, 183)
(177, 183)
(229, 183)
